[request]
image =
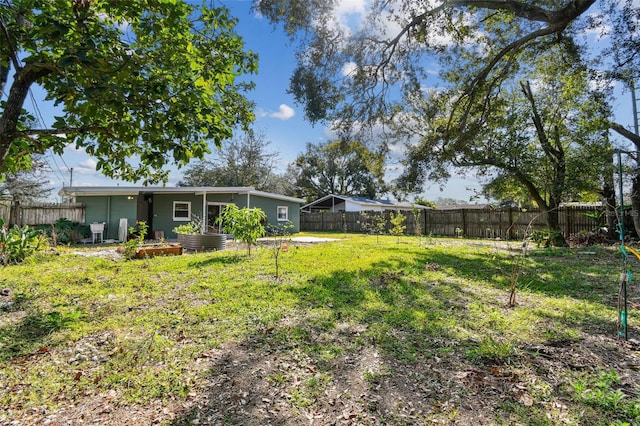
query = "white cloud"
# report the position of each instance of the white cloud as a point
(285, 112)
(349, 69)
(86, 167)
(73, 148)
(346, 7)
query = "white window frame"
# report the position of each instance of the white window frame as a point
(286, 213)
(180, 218)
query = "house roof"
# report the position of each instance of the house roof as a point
(74, 191)
(463, 207)
(328, 200)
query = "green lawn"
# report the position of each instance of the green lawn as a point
(394, 332)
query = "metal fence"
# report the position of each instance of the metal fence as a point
(471, 223)
(40, 213)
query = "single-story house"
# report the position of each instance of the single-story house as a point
(164, 208)
(341, 203)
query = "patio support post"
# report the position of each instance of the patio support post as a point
(203, 222)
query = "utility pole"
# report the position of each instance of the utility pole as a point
(71, 179)
(634, 109)
(634, 105)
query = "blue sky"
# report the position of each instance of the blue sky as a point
(277, 116)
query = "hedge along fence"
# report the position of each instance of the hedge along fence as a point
(471, 223)
(40, 213)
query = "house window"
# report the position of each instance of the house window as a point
(182, 211)
(283, 213)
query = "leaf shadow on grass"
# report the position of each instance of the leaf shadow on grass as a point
(218, 260)
(27, 335)
(572, 277)
(558, 277)
(349, 325)
(368, 333)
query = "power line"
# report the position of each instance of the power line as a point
(40, 118)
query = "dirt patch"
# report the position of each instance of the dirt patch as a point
(106, 253)
(266, 381)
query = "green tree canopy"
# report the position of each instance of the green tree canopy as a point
(338, 167)
(242, 161)
(352, 73)
(140, 84)
(379, 71)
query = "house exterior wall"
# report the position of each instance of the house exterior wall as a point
(163, 209)
(338, 206)
(270, 207)
(355, 207)
(109, 209)
(158, 209)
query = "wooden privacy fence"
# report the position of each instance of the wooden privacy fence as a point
(470, 223)
(40, 213)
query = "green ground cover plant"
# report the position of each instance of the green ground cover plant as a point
(367, 330)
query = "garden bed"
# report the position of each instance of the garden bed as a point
(155, 250)
(203, 242)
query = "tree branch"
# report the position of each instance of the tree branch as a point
(557, 21)
(520, 176)
(12, 51)
(537, 121)
(628, 134)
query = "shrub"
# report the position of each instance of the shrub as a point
(18, 243)
(245, 224)
(397, 224)
(62, 231)
(189, 228)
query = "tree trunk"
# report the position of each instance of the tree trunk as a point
(552, 213)
(10, 117)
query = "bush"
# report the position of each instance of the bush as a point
(18, 243)
(62, 232)
(586, 239)
(190, 228)
(245, 224)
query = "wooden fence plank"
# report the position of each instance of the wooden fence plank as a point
(41, 213)
(471, 223)
(5, 211)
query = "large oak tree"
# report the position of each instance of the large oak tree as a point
(139, 84)
(379, 69)
(338, 167)
(244, 160)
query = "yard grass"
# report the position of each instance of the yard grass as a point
(355, 330)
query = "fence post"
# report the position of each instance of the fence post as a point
(464, 222)
(14, 215)
(424, 229)
(510, 228)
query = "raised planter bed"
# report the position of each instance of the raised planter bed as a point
(203, 242)
(152, 251)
